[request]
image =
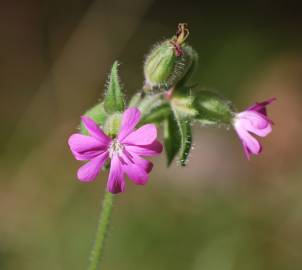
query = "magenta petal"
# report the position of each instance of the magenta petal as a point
(260, 107)
(87, 155)
(246, 150)
(143, 136)
(142, 163)
(91, 169)
(130, 119)
(116, 182)
(261, 132)
(95, 131)
(248, 141)
(136, 167)
(85, 147)
(255, 122)
(131, 157)
(153, 149)
(137, 174)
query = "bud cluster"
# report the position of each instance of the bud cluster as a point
(166, 98)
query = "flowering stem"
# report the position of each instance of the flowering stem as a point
(101, 232)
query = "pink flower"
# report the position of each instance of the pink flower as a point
(253, 120)
(124, 151)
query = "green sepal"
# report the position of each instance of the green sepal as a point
(135, 100)
(149, 103)
(154, 108)
(97, 114)
(183, 102)
(172, 140)
(157, 114)
(213, 109)
(193, 56)
(114, 98)
(112, 124)
(185, 131)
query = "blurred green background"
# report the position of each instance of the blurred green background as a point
(221, 212)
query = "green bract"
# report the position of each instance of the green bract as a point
(172, 138)
(112, 124)
(114, 98)
(107, 113)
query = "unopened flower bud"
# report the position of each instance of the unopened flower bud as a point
(169, 62)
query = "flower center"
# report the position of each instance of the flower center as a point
(115, 148)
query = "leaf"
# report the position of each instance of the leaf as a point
(185, 131)
(114, 98)
(171, 138)
(96, 113)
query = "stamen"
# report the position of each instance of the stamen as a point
(115, 148)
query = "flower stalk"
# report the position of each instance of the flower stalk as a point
(101, 232)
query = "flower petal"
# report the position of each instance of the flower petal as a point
(95, 131)
(135, 173)
(116, 182)
(153, 149)
(136, 168)
(91, 169)
(85, 147)
(247, 152)
(250, 144)
(255, 122)
(142, 136)
(130, 119)
(260, 107)
(131, 157)
(142, 163)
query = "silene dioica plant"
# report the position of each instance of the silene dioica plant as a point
(115, 136)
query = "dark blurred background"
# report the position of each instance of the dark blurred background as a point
(221, 212)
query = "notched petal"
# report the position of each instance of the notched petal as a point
(145, 135)
(116, 181)
(91, 169)
(153, 149)
(130, 119)
(95, 131)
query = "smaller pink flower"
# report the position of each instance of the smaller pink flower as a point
(253, 120)
(124, 151)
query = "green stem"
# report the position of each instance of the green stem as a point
(101, 232)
